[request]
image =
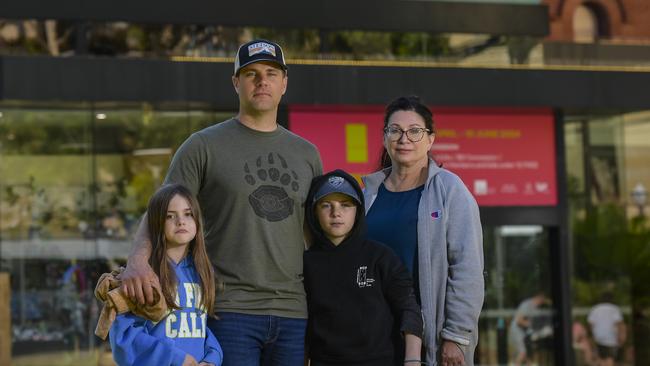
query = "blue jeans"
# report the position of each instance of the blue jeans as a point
(259, 340)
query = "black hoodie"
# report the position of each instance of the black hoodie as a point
(356, 291)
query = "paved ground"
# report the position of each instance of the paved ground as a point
(85, 358)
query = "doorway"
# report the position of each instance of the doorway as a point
(516, 324)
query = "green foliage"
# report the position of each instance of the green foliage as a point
(355, 44)
(584, 293)
(147, 40)
(525, 271)
(136, 38)
(609, 248)
(360, 43)
(419, 44)
(65, 174)
(294, 42)
(40, 132)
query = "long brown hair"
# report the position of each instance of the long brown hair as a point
(161, 264)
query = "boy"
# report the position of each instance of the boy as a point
(357, 289)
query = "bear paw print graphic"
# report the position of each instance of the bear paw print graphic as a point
(273, 178)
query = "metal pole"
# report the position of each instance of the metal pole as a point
(497, 282)
(560, 255)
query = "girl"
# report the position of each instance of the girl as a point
(187, 283)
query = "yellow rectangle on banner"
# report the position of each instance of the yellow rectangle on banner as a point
(356, 143)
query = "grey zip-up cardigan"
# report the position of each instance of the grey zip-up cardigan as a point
(450, 260)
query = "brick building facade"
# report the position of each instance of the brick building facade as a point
(616, 20)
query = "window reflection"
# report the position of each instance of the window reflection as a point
(610, 236)
(74, 181)
(516, 322)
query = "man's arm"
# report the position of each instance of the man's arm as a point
(522, 321)
(621, 333)
(138, 279)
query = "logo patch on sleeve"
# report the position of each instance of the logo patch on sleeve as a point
(437, 214)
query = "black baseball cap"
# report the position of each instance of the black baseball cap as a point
(337, 184)
(259, 50)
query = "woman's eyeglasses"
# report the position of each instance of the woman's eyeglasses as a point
(414, 134)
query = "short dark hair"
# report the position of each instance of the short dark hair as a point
(607, 296)
(410, 103)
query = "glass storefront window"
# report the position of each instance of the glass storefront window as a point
(46, 180)
(516, 323)
(37, 200)
(610, 234)
(74, 181)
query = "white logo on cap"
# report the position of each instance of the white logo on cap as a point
(335, 181)
(261, 47)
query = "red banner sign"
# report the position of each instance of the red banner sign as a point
(506, 157)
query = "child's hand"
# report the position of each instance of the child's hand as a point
(189, 361)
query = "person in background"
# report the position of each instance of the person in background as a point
(582, 345)
(608, 329)
(427, 215)
(521, 327)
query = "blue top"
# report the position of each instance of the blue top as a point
(137, 341)
(393, 220)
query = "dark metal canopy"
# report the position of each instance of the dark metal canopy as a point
(110, 79)
(379, 15)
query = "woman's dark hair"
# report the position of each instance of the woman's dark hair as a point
(156, 217)
(408, 103)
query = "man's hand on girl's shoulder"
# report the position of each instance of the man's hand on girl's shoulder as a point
(138, 281)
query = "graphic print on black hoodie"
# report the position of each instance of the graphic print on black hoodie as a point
(355, 292)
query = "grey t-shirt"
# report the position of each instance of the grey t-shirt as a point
(252, 187)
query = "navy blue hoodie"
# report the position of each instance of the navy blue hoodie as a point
(356, 292)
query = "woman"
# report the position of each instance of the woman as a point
(427, 215)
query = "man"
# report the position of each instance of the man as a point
(251, 177)
(523, 324)
(608, 329)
